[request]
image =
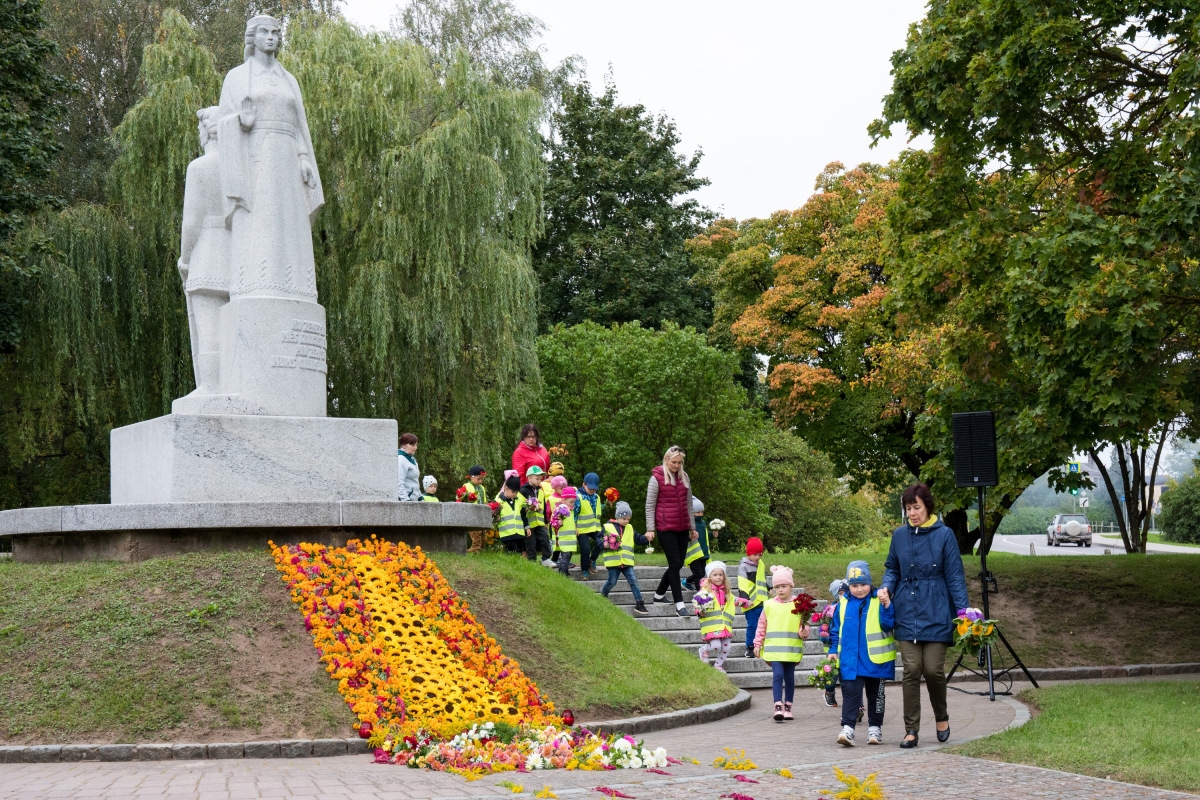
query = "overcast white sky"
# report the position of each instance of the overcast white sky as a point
(770, 90)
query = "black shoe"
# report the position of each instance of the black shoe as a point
(944, 736)
(907, 743)
(640, 608)
(660, 598)
(830, 698)
(683, 611)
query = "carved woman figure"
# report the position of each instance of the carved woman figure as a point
(268, 175)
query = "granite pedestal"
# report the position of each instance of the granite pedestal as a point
(183, 458)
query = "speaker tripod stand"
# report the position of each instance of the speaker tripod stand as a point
(985, 663)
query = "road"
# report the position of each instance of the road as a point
(1020, 546)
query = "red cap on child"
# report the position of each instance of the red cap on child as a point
(754, 546)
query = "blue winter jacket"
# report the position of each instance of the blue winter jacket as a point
(924, 574)
(854, 661)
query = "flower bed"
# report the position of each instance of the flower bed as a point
(429, 687)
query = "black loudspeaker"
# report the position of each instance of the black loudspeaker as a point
(975, 449)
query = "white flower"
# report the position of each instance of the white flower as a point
(623, 744)
(533, 762)
(635, 763)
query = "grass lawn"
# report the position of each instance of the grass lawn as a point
(1145, 732)
(209, 647)
(202, 647)
(581, 650)
(1157, 538)
(1057, 611)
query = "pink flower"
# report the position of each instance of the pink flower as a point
(828, 668)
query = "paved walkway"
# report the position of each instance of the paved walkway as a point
(806, 746)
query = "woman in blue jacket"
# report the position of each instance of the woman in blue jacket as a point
(923, 575)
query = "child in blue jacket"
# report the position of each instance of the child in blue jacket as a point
(860, 635)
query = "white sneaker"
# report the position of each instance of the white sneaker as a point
(846, 737)
(874, 735)
(549, 562)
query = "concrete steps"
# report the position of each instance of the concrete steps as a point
(745, 673)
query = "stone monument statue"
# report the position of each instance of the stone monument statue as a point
(269, 353)
(255, 427)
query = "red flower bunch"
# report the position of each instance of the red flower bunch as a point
(804, 605)
(495, 507)
(465, 496)
(611, 495)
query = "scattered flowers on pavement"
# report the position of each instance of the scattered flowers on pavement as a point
(866, 789)
(744, 779)
(546, 793)
(607, 792)
(732, 761)
(782, 772)
(430, 688)
(737, 796)
(515, 788)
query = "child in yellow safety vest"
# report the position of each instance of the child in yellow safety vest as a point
(779, 640)
(619, 560)
(512, 522)
(860, 637)
(429, 489)
(473, 491)
(752, 588)
(562, 520)
(716, 605)
(538, 542)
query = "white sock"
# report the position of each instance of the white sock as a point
(681, 606)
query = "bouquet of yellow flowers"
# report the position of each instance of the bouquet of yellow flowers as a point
(972, 632)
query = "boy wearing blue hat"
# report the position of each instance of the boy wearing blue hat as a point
(861, 638)
(587, 522)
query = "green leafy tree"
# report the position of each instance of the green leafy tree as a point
(494, 34)
(1065, 134)
(617, 397)
(1180, 517)
(811, 508)
(29, 97)
(617, 218)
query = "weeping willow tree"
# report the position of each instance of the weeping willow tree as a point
(432, 181)
(423, 248)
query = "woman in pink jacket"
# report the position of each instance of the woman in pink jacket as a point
(530, 452)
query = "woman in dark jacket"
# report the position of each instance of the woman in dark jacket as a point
(924, 576)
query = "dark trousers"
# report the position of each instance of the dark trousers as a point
(514, 544)
(538, 544)
(783, 680)
(927, 660)
(852, 699)
(586, 548)
(697, 568)
(674, 544)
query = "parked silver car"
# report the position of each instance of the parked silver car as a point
(1069, 528)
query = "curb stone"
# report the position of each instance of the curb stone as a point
(80, 752)
(1091, 673)
(187, 752)
(674, 719)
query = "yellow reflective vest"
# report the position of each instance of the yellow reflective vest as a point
(693, 552)
(881, 645)
(756, 590)
(480, 497)
(587, 521)
(715, 618)
(511, 523)
(782, 642)
(623, 557)
(567, 540)
(430, 498)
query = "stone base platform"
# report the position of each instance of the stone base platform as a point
(190, 458)
(134, 532)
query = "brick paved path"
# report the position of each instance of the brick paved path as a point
(806, 746)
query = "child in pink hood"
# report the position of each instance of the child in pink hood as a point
(780, 640)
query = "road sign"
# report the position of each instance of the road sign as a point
(1074, 466)
(1084, 502)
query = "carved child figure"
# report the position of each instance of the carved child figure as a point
(204, 255)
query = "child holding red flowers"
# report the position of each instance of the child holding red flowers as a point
(779, 640)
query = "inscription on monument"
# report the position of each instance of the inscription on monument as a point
(309, 350)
